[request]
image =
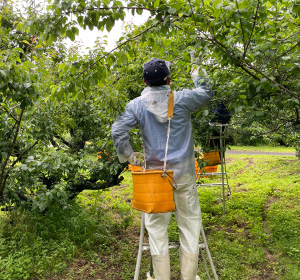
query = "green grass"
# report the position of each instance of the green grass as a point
(279, 149)
(97, 237)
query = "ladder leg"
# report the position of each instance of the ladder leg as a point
(222, 168)
(139, 257)
(225, 136)
(150, 273)
(151, 268)
(209, 255)
(228, 187)
(205, 264)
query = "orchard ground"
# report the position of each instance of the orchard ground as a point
(257, 237)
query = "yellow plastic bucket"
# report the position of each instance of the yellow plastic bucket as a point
(153, 193)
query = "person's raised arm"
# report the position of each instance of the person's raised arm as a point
(197, 98)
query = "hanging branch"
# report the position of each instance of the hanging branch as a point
(122, 44)
(192, 9)
(110, 8)
(283, 88)
(253, 26)
(242, 28)
(10, 114)
(286, 51)
(21, 155)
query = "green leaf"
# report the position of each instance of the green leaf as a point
(21, 27)
(151, 42)
(296, 9)
(172, 10)
(62, 66)
(124, 58)
(73, 70)
(109, 25)
(156, 4)
(164, 29)
(38, 46)
(229, 8)
(3, 73)
(118, 4)
(71, 35)
(82, 4)
(26, 42)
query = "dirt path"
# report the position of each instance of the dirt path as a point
(235, 152)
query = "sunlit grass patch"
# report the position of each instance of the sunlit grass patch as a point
(279, 149)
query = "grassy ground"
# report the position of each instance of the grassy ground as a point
(264, 148)
(97, 238)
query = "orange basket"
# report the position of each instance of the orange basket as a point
(134, 168)
(153, 193)
(206, 169)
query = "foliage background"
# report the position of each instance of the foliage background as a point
(57, 106)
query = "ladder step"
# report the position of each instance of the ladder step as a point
(172, 245)
(211, 174)
(212, 185)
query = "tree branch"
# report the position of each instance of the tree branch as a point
(286, 51)
(10, 114)
(192, 9)
(3, 177)
(120, 45)
(63, 140)
(253, 26)
(283, 88)
(109, 8)
(23, 153)
(242, 28)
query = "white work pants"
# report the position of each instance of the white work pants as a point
(188, 217)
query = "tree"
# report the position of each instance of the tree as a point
(46, 139)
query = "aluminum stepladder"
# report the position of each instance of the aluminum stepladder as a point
(222, 141)
(173, 245)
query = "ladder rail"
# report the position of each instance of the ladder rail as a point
(139, 257)
(223, 173)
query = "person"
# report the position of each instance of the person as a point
(149, 111)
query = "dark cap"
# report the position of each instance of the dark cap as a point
(155, 71)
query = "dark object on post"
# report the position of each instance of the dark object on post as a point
(221, 114)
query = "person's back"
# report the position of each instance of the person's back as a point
(149, 111)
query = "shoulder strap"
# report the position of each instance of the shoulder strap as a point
(170, 116)
(171, 105)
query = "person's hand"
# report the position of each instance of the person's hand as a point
(196, 60)
(195, 63)
(136, 159)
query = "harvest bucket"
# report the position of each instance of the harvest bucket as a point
(212, 158)
(153, 192)
(206, 169)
